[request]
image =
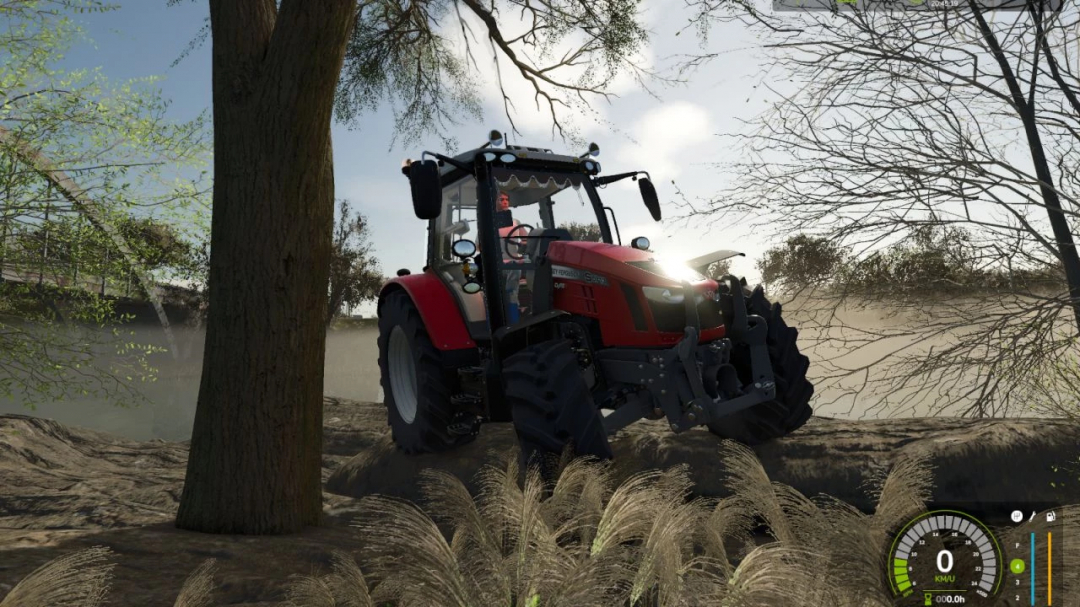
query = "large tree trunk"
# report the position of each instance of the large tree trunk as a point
(255, 455)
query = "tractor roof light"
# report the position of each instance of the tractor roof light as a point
(505, 158)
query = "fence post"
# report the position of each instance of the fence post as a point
(45, 246)
(4, 247)
(74, 250)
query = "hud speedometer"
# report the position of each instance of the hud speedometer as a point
(945, 557)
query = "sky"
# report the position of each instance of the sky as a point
(675, 137)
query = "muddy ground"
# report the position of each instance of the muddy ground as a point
(66, 488)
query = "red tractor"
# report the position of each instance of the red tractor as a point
(545, 321)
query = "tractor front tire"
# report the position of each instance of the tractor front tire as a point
(791, 407)
(414, 384)
(551, 404)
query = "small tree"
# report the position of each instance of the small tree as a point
(355, 275)
(583, 232)
(801, 261)
(718, 269)
(887, 121)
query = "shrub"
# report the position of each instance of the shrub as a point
(583, 232)
(801, 261)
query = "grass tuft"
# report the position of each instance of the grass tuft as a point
(198, 587)
(80, 579)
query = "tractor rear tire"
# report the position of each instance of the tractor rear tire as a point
(791, 407)
(551, 404)
(415, 387)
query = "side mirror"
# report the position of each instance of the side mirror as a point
(464, 248)
(648, 194)
(426, 189)
(472, 287)
(640, 243)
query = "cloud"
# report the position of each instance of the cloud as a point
(665, 136)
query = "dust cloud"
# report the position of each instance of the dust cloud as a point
(352, 372)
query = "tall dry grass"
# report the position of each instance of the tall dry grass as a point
(589, 541)
(80, 579)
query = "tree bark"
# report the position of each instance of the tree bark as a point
(255, 459)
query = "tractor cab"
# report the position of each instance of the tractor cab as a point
(527, 208)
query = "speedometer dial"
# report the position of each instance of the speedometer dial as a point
(945, 558)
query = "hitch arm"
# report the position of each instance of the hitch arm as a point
(740, 326)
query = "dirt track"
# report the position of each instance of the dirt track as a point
(67, 488)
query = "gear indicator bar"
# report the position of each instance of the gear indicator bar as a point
(1036, 566)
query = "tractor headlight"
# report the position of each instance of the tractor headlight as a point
(667, 295)
(680, 271)
(662, 295)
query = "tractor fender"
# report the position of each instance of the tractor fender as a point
(440, 313)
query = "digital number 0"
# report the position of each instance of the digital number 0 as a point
(943, 557)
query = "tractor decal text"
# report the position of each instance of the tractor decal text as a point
(576, 274)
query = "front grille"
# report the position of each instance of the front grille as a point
(633, 301)
(671, 318)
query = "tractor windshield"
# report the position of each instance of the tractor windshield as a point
(547, 201)
(538, 199)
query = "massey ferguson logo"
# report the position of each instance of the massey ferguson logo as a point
(579, 275)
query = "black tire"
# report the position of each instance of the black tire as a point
(427, 430)
(791, 408)
(551, 404)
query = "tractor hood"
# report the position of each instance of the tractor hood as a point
(601, 261)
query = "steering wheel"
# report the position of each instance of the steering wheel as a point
(510, 235)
